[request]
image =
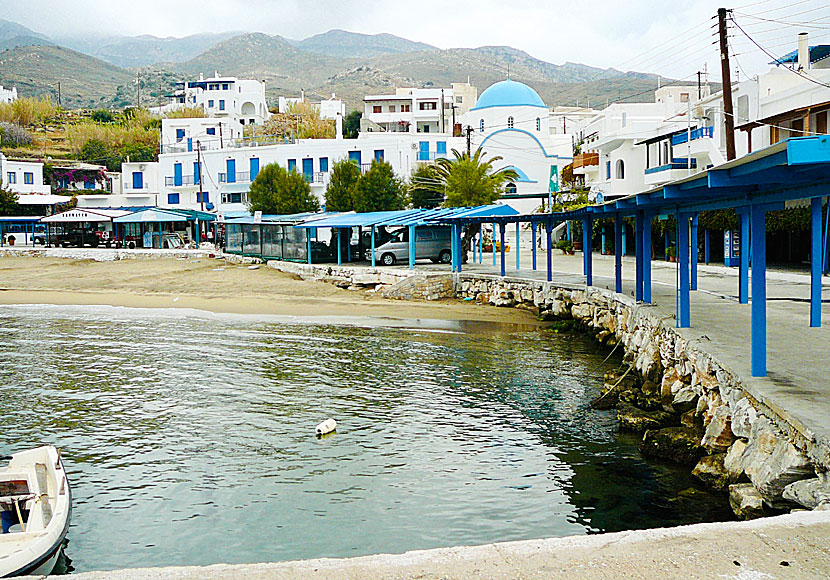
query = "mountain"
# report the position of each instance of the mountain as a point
(84, 81)
(344, 44)
(13, 35)
(137, 51)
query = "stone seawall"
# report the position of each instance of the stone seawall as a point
(687, 405)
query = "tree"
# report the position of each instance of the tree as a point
(280, 192)
(8, 201)
(379, 189)
(97, 152)
(421, 192)
(342, 185)
(351, 124)
(469, 180)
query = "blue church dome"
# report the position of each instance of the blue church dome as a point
(509, 94)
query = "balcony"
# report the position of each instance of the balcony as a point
(240, 177)
(677, 169)
(698, 133)
(585, 160)
(675, 164)
(184, 181)
(430, 155)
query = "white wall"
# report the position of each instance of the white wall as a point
(14, 175)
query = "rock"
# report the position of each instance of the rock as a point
(711, 471)
(680, 444)
(734, 460)
(651, 389)
(690, 419)
(746, 501)
(718, 436)
(772, 462)
(684, 400)
(743, 414)
(638, 421)
(615, 384)
(670, 376)
(637, 398)
(808, 492)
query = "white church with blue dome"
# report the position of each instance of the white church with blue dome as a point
(511, 120)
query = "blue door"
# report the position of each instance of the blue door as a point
(423, 151)
(378, 154)
(324, 164)
(230, 168)
(441, 148)
(138, 180)
(308, 169)
(254, 167)
(354, 156)
(190, 143)
(177, 174)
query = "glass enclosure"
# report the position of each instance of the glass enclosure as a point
(268, 241)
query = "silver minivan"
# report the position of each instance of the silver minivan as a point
(433, 242)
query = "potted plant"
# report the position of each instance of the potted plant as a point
(671, 254)
(566, 246)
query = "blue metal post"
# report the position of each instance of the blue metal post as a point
(638, 256)
(494, 244)
(618, 237)
(549, 228)
(533, 229)
(411, 247)
(518, 265)
(568, 231)
(624, 239)
(604, 246)
(501, 249)
(308, 243)
(647, 218)
(684, 310)
(759, 291)
(460, 246)
(373, 246)
(695, 218)
(826, 259)
(587, 251)
(666, 242)
(339, 249)
(706, 246)
(743, 274)
(815, 262)
(453, 248)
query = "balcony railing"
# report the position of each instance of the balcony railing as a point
(675, 164)
(585, 160)
(211, 143)
(240, 177)
(184, 181)
(698, 133)
(430, 155)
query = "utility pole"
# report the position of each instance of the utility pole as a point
(443, 128)
(221, 137)
(60, 96)
(138, 84)
(699, 90)
(729, 119)
(469, 131)
(199, 164)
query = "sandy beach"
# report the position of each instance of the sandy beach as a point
(215, 286)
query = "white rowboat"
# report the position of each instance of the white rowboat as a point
(35, 509)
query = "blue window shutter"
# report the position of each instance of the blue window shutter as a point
(230, 166)
(441, 147)
(324, 164)
(378, 154)
(292, 164)
(211, 131)
(179, 134)
(196, 172)
(177, 174)
(308, 169)
(254, 167)
(138, 180)
(210, 103)
(190, 143)
(172, 198)
(354, 156)
(423, 151)
(221, 104)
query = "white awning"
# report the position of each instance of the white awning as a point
(42, 199)
(85, 215)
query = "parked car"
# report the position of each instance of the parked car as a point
(433, 242)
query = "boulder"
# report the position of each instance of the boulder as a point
(746, 501)
(638, 421)
(808, 492)
(670, 376)
(711, 471)
(684, 400)
(650, 388)
(680, 444)
(690, 419)
(734, 460)
(772, 462)
(718, 436)
(615, 385)
(743, 414)
(637, 398)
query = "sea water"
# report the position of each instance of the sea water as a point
(189, 438)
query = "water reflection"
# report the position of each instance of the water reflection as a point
(185, 432)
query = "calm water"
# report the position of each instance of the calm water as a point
(189, 439)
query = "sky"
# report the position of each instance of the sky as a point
(672, 39)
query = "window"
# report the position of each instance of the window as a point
(224, 86)
(405, 108)
(138, 180)
(425, 129)
(29, 178)
(684, 97)
(222, 105)
(459, 99)
(203, 197)
(89, 184)
(391, 108)
(11, 177)
(377, 109)
(292, 164)
(179, 135)
(324, 164)
(607, 170)
(253, 167)
(509, 122)
(231, 198)
(538, 124)
(620, 169)
(196, 173)
(355, 156)
(428, 106)
(664, 158)
(172, 199)
(481, 125)
(211, 131)
(210, 103)
(378, 154)
(510, 188)
(441, 148)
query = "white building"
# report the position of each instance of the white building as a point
(239, 100)
(8, 95)
(22, 177)
(205, 133)
(411, 110)
(328, 108)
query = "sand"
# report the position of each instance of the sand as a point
(215, 286)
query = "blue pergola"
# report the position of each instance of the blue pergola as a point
(763, 181)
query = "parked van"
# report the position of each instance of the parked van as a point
(433, 242)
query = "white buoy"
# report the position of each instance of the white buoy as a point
(254, 267)
(326, 426)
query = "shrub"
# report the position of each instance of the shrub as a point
(186, 113)
(14, 136)
(102, 116)
(28, 111)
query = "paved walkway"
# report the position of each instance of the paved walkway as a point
(795, 546)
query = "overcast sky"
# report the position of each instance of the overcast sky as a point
(668, 38)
